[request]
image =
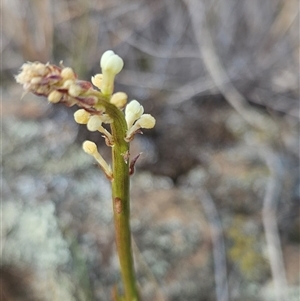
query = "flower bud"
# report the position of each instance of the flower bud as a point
(106, 118)
(55, 96)
(94, 123)
(58, 84)
(111, 62)
(74, 90)
(36, 80)
(111, 65)
(119, 99)
(67, 83)
(81, 116)
(133, 111)
(105, 56)
(68, 73)
(89, 147)
(97, 80)
(146, 121)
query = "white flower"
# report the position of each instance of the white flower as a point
(97, 80)
(68, 73)
(55, 96)
(119, 99)
(146, 121)
(94, 123)
(133, 111)
(90, 148)
(74, 90)
(82, 116)
(111, 62)
(111, 65)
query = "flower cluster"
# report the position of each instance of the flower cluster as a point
(99, 105)
(60, 84)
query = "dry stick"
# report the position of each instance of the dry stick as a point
(270, 225)
(219, 252)
(216, 69)
(280, 27)
(140, 259)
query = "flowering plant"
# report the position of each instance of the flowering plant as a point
(97, 107)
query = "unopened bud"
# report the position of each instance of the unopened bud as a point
(106, 118)
(74, 90)
(36, 80)
(68, 73)
(119, 99)
(94, 123)
(111, 62)
(97, 80)
(81, 116)
(111, 65)
(89, 147)
(133, 111)
(67, 83)
(54, 96)
(146, 121)
(105, 56)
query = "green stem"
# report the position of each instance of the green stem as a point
(121, 201)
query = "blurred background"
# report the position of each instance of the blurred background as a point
(215, 197)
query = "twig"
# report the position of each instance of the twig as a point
(270, 225)
(215, 68)
(220, 270)
(143, 264)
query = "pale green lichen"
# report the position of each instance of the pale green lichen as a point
(246, 248)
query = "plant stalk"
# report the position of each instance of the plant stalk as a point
(121, 205)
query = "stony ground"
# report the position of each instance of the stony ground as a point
(197, 200)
